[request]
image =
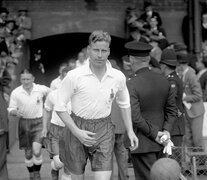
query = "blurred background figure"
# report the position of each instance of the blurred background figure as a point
(166, 169)
(4, 82)
(24, 24)
(81, 59)
(120, 151)
(57, 81)
(193, 102)
(149, 13)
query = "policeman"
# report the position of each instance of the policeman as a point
(168, 65)
(153, 108)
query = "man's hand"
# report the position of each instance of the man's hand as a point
(87, 138)
(16, 113)
(134, 142)
(159, 135)
(44, 132)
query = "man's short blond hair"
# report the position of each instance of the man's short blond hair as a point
(99, 35)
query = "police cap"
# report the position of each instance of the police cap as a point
(140, 49)
(169, 57)
(182, 58)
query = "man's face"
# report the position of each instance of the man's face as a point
(162, 67)
(3, 16)
(81, 57)
(98, 53)
(61, 68)
(2, 65)
(27, 80)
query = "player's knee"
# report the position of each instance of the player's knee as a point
(57, 163)
(36, 149)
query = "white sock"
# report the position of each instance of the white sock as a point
(66, 177)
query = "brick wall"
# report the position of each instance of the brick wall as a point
(63, 16)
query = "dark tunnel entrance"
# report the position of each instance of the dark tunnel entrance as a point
(61, 48)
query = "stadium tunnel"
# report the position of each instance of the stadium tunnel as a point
(49, 52)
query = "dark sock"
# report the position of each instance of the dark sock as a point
(37, 167)
(30, 169)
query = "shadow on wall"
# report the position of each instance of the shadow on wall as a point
(46, 54)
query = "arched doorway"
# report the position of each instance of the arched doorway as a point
(61, 48)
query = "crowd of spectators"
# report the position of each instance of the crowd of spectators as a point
(147, 26)
(143, 27)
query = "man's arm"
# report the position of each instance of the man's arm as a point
(13, 107)
(171, 110)
(47, 115)
(126, 116)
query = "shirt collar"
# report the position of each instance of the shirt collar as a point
(34, 88)
(87, 69)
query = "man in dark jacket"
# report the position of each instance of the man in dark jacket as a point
(168, 65)
(154, 110)
(4, 81)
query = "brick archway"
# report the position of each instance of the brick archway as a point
(61, 48)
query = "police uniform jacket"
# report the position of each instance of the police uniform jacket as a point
(153, 108)
(177, 86)
(3, 115)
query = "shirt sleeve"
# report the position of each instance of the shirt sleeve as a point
(12, 102)
(46, 90)
(123, 99)
(64, 93)
(49, 104)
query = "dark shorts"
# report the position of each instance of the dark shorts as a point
(74, 154)
(51, 142)
(29, 132)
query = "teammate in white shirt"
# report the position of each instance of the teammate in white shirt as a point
(57, 81)
(55, 125)
(26, 102)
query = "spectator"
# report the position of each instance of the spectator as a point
(4, 81)
(24, 24)
(3, 15)
(148, 14)
(135, 35)
(11, 28)
(3, 45)
(156, 51)
(181, 48)
(192, 99)
(130, 17)
(202, 76)
(204, 26)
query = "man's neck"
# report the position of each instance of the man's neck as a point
(28, 90)
(168, 71)
(140, 66)
(99, 72)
